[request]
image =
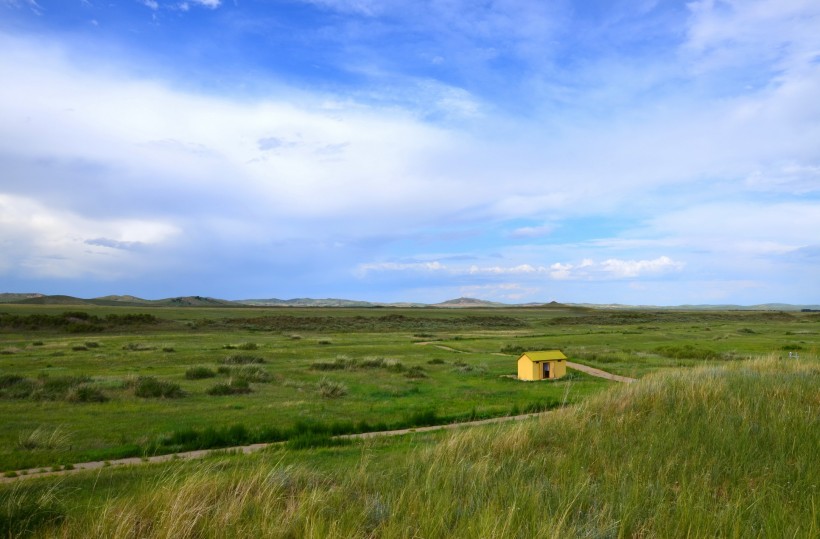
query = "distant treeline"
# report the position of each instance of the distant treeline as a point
(390, 322)
(74, 321)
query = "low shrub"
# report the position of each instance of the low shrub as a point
(86, 393)
(168, 349)
(312, 440)
(251, 373)
(149, 387)
(436, 361)
(92, 344)
(241, 359)
(79, 348)
(686, 351)
(44, 438)
(248, 346)
(330, 389)
(198, 373)
(415, 372)
(234, 386)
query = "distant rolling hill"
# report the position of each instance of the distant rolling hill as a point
(463, 303)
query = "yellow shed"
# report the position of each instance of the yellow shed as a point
(542, 365)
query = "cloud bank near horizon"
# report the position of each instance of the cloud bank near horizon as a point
(657, 153)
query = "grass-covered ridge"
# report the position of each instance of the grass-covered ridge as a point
(724, 451)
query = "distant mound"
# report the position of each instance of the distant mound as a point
(305, 302)
(7, 297)
(468, 302)
(193, 301)
(54, 300)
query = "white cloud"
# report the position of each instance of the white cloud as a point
(43, 241)
(213, 4)
(152, 4)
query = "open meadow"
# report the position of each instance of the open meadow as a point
(100, 383)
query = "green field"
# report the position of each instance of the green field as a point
(100, 383)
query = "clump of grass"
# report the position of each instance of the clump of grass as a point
(465, 368)
(92, 344)
(248, 346)
(168, 349)
(198, 373)
(436, 361)
(234, 386)
(340, 363)
(79, 348)
(686, 351)
(241, 359)
(86, 393)
(251, 373)
(44, 438)
(37, 343)
(325, 342)
(415, 372)
(330, 389)
(313, 440)
(150, 387)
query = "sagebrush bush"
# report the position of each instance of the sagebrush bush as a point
(251, 373)
(86, 393)
(234, 386)
(330, 389)
(149, 387)
(198, 373)
(241, 359)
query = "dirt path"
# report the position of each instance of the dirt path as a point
(426, 343)
(599, 373)
(246, 449)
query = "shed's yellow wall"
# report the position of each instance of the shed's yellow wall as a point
(534, 370)
(527, 370)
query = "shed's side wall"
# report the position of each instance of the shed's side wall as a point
(559, 368)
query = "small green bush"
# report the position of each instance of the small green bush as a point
(79, 348)
(436, 361)
(149, 387)
(415, 373)
(241, 359)
(234, 386)
(86, 393)
(198, 373)
(92, 344)
(251, 373)
(330, 389)
(248, 346)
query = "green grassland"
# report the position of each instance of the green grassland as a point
(726, 450)
(98, 383)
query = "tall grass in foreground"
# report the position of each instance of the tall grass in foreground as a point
(728, 451)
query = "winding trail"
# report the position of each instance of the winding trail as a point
(592, 371)
(247, 449)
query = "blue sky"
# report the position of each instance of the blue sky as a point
(640, 152)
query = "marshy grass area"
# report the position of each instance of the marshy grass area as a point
(726, 450)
